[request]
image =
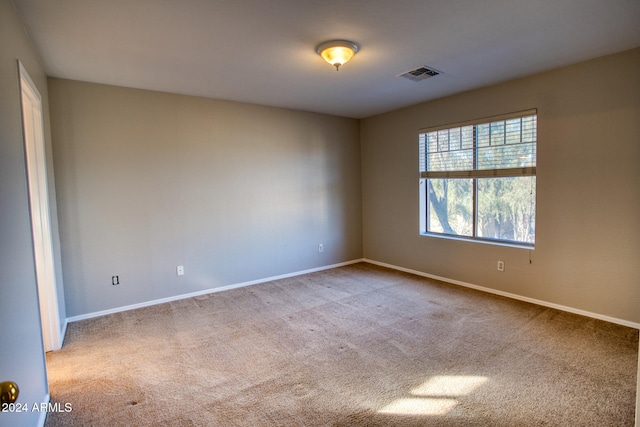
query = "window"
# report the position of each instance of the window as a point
(478, 179)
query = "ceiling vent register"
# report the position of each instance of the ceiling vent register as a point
(419, 74)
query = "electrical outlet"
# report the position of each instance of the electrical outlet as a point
(320, 247)
(500, 265)
(180, 270)
(115, 280)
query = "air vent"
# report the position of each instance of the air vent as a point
(419, 74)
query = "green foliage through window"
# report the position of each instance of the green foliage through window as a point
(478, 180)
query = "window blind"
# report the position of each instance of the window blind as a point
(494, 147)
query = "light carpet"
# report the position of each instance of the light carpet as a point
(359, 345)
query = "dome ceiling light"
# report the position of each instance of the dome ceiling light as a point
(337, 52)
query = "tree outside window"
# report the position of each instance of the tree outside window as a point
(478, 180)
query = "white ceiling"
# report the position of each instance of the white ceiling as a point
(262, 51)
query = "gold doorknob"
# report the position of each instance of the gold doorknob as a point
(9, 392)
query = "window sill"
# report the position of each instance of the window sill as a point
(530, 247)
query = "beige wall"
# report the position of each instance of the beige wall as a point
(234, 192)
(148, 181)
(587, 252)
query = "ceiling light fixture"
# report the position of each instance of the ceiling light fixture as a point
(337, 52)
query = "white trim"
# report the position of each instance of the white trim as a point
(355, 261)
(510, 295)
(39, 208)
(43, 414)
(483, 120)
(483, 240)
(638, 392)
(207, 291)
(63, 332)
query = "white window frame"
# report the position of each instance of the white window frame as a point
(474, 172)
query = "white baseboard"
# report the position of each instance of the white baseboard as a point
(63, 332)
(510, 295)
(328, 267)
(205, 292)
(638, 392)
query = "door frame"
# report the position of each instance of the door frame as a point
(36, 165)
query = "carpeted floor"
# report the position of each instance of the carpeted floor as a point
(354, 346)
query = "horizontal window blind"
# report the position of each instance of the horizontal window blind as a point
(494, 147)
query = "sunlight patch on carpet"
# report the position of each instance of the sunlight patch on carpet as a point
(436, 396)
(449, 385)
(419, 406)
